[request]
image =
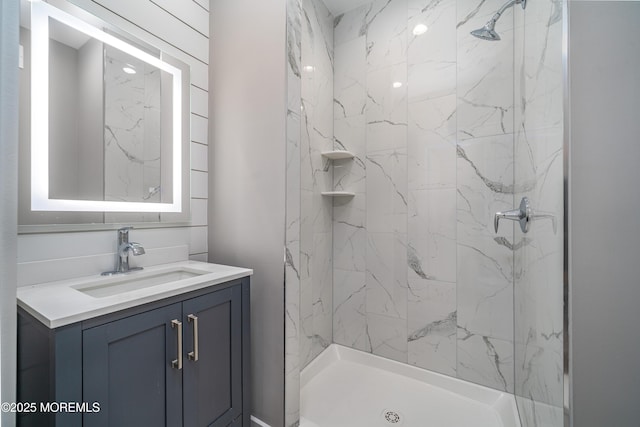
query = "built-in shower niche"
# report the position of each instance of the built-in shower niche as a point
(338, 158)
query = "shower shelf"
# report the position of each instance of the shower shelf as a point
(337, 154)
(338, 193)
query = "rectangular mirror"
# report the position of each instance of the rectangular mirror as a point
(109, 123)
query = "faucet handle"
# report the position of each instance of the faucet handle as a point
(524, 215)
(123, 235)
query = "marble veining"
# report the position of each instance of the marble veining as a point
(350, 317)
(415, 264)
(471, 14)
(316, 175)
(438, 326)
(386, 33)
(293, 216)
(494, 186)
(388, 337)
(131, 130)
(351, 24)
(294, 28)
(432, 144)
(485, 360)
(386, 275)
(349, 78)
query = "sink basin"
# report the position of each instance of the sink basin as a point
(63, 302)
(134, 281)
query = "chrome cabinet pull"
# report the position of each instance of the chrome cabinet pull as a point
(193, 355)
(524, 215)
(177, 363)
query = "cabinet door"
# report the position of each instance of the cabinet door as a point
(212, 393)
(127, 369)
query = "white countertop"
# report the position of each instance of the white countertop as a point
(58, 304)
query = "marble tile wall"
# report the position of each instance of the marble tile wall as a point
(316, 283)
(485, 186)
(440, 145)
(538, 259)
(292, 217)
(309, 247)
(432, 186)
(370, 231)
(419, 274)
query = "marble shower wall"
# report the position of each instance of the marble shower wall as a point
(538, 258)
(370, 230)
(485, 185)
(432, 187)
(308, 251)
(419, 274)
(292, 320)
(316, 176)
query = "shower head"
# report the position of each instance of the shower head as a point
(487, 32)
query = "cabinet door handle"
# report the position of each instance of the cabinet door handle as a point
(177, 363)
(193, 355)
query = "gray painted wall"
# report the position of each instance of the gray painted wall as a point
(605, 201)
(9, 20)
(247, 175)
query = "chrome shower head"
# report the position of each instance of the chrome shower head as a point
(487, 32)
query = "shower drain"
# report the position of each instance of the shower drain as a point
(392, 417)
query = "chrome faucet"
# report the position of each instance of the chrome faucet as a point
(124, 248)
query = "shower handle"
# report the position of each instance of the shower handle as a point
(524, 215)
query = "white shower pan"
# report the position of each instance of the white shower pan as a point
(343, 387)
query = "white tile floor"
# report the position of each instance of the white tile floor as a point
(348, 388)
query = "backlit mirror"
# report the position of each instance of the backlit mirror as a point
(109, 130)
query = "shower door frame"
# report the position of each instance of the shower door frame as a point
(566, 315)
(567, 371)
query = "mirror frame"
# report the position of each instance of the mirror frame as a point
(41, 12)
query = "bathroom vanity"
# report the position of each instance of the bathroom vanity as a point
(168, 346)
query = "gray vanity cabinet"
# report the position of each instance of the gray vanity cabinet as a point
(216, 401)
(125, 369)
(129, 363)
